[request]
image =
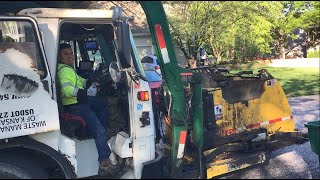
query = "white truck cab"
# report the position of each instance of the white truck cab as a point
(37, 139)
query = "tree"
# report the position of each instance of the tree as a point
(247, 28)
(242, 30)
(185, 27)
(296, 14)
(227, 28)
(311, 24)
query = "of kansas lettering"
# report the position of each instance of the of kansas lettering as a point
(9, 121)
(19, 120)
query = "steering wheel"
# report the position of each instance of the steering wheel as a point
(100, 74)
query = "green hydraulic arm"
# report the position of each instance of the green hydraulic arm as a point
(172, 76)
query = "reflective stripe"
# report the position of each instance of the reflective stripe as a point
(182, 141)
(162, 43)
(159, 33)
(75, 91)
(165, 55)
(66, 84)
(67, 66)
(180, 151)
(230, 131)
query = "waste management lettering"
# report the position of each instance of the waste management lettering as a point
(25, 107)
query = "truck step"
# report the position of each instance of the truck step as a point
(232, 162)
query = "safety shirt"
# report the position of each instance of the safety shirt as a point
(70, 83)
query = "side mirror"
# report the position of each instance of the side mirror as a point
(124, 47)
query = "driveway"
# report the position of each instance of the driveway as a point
(295, 161)
(305, 109)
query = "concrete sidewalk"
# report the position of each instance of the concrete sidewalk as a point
(305, 109)
(300, 62)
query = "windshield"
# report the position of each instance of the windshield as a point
(152, 76)
(147, 59)
(135, 57)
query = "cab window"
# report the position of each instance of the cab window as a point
(20, 35)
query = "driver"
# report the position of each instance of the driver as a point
(75, 100)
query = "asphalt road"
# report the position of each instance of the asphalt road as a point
(292, 162)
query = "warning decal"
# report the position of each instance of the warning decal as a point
(218, 111)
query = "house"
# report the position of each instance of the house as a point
(139, 25)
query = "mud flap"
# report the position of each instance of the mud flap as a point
(153, 169)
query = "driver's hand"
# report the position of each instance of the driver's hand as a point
(97, 85)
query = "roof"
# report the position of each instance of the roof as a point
(15, 6)
(130, 8)
(68, 13)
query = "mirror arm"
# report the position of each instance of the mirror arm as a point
(143, 77)
(129, 70)
(133, 78)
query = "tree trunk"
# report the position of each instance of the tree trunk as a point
(304, 50)
(282, 52)
(218, 56)
(282, 48)
(192, 63)
(233, 53)
(186, 55)
(228, 54)
(216, 51)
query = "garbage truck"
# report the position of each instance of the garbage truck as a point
(200, 123)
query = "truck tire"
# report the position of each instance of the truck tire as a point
(8, 171)
(19, 166)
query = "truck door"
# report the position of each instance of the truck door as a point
(142, 132)
(26, 105)
(142, 116)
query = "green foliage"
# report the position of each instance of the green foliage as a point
(311, 24)
(228, 29)
(295, 14)
(314, 54)
(294, 81)
(297, 81)
(240, 30)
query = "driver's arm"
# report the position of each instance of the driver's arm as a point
(67, 81)
(85, 82)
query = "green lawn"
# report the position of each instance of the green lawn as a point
(294, 81)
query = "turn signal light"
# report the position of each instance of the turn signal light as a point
(156, 67)
(143, 96)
